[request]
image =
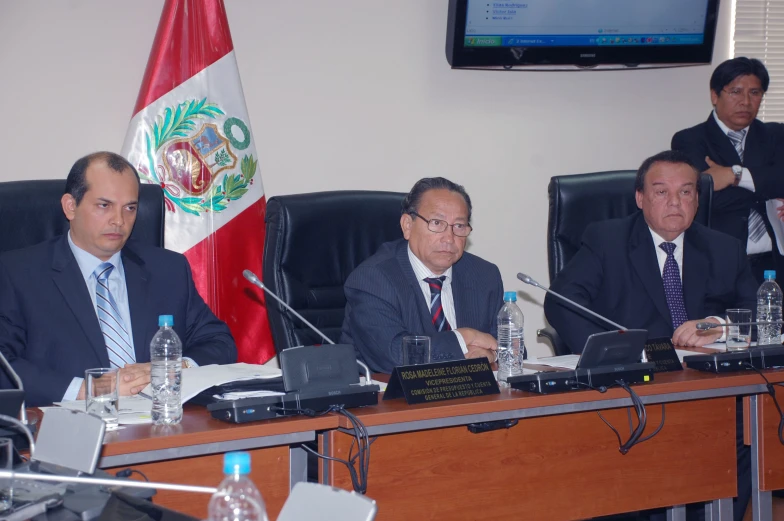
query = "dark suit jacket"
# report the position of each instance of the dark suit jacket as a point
(49, 330)
(385, 303)
(763, 155)
(615, 273)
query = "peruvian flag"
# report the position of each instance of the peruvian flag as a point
(190, 133)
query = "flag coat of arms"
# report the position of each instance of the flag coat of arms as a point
(190, 134)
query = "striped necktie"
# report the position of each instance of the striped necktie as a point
(436, 309)
(756, 224)
(673, 289)
(115, 334)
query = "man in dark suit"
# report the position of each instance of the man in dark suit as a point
(658, 270)
(425, 284)
(90, 299)
(745, 157)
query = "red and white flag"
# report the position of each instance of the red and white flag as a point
(190, 133)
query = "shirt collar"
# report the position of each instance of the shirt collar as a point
(724, 128)
(88, 262)
(657, 239)
(421, 271)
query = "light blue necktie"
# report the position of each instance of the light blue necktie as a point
(115, 333)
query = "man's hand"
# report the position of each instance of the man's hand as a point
(688, 335)
(479, 344)
(722, 175)
(133, 378)
(780, 210)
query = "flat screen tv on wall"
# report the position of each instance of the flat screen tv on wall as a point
(580, 33)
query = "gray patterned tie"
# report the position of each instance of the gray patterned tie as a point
(115, 334)
(756, 224)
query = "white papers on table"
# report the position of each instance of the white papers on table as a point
(564, 361)
(131, 410)
(197, 379)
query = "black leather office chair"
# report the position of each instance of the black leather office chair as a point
(313, 242)
(30, 213)
(578, 200)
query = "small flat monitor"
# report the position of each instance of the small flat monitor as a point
(613, 348)
(547, 33)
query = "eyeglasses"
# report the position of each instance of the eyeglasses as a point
(440, 225)
(738, 93)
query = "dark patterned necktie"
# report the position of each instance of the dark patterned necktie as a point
(756, 224)
(436, 309)
(673, 290)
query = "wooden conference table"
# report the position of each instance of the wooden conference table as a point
(191, 453)
(560, 462)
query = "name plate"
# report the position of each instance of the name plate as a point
(442, 381)
(661, 352)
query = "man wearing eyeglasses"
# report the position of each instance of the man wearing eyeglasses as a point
(425, 284)
(745, 157)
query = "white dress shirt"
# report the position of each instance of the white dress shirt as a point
(447, 300)
(746, 181)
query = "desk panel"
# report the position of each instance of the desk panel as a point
(450, 474)
(771, 449)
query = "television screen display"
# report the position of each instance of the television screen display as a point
(486, 33)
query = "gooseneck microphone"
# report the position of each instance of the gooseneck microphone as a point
(18, 381)
(704, 326)
(253, 279)
(528, 280)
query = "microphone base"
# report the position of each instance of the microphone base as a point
(581, 379)
(763, 357)
(268, 407)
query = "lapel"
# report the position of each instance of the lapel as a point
(460, 294)
(70, 282)
(423, 309)
(137, 280)
(754, 150)
(695, 273)
(643, 258)
(721, 146)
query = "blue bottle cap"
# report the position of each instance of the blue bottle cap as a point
(236, 462)
(510, 296)
(769, 274)
(165, 320)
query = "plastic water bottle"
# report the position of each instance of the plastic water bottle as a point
(769, 310)
(166, 373)
(511, 345)
(237, 498)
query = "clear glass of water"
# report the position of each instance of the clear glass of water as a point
(102, 394)
(416, 350)
(6, 463)
(738, 337)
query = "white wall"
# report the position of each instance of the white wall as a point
(351, 94)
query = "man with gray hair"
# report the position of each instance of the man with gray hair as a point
(425, 284)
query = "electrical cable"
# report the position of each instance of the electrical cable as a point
(635, 436)
(772, 393)
(359, 477)
(126, 473)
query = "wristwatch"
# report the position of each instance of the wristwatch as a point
(738, 171)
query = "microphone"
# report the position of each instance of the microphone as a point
(253, 279)
(26, 476)
(18, 381)
(704, 326)
(528, 280)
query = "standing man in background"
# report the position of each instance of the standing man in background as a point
(745, 157)
(424, 284)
